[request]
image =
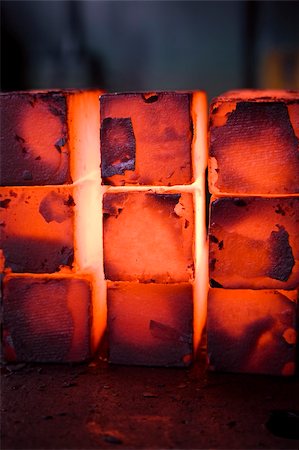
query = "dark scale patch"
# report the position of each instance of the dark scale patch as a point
(60, 143)
(213, 239)
(215, 284)
(213, 264)
(281, 255)
(5, 203)
(187, 223)
(239, 202)
(113, 204)
(260, 113)
(13, 194)
(220, 245)
(150, 98)
(167, 199)
(279, 210)
(68, 257)
(20, 139)
(38, 319)
(215, 109)
(118, 146)
(69, 201)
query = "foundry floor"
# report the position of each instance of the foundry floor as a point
(99, 406)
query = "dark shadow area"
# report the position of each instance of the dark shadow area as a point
(105, 406)
(123, 45)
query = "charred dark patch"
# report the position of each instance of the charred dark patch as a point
(5, 203)
(239, 202)
(214, 239)
(55, 111)
(32, 100)
(279, 210)
(113, 204)
(118, 146)
(215, 284)
(13, 194)
(150, 97)
(43, 330)
(220, 245)
(70, 201)
(215, 109)
(60, 143)
(166, 199)
(281, 255)
(67, 257)
(19, 139)
(187, 223)
(40, 255)
(213, 264)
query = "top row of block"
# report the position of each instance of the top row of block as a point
(150, 139)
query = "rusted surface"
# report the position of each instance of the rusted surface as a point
(254, 243)
(46, 319)
(254, 144)
(150, 324)
(37, 228)
(148, 237)
(96, 406)
(252, 331)
(34, 139)
(148, 140)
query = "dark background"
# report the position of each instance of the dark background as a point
(150, 45)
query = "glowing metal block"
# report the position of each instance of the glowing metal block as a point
(254, 243)
(252, 331)
(46, 319)
(37, 228)
(34, 139)
(254, 143)
(150, 324)
(146, 138)
(148, 236)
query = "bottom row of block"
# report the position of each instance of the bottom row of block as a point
(49, 319)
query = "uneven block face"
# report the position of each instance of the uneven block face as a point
(34, 139)
(148, 237)
(146, 139)
(46, 319)
(150, 324)
(254, 243)
(254, 143)
(37, 228)
(252, 331)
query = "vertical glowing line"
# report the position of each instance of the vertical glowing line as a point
(199, 116)
(84, 123)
